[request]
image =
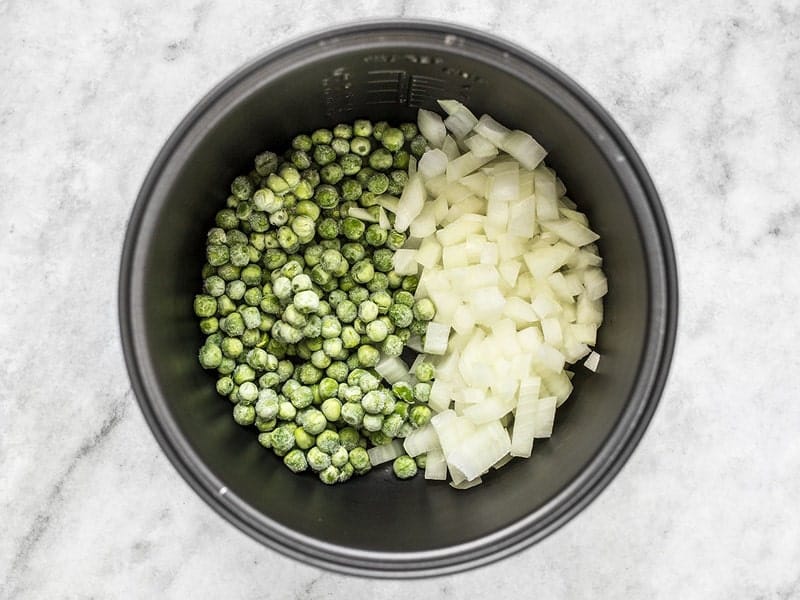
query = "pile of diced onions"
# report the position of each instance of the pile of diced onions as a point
(512, 269)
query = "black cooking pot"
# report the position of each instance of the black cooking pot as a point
(376, 525)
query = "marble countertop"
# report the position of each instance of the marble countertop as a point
(707, 507)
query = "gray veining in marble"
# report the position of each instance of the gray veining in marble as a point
(708, 92)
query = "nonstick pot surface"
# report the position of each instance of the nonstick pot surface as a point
(377, 525)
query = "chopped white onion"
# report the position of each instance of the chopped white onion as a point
(592, 361)
(480, 146)
(421, 440)
(464, 165)
(524, 148)
(460, 119)
(450, 147)
(383, 454)
(431, 127)
(432, 163)
(392, 369)
(513, 271)
(492, 130)
(412, 200)
(404, 262)
(361, 213)
(436, 336)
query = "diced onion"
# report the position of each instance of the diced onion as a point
(431, 127)
(513, 271)
(592, 361)
(361, 213)
(383, 454)
(392, 369)
(435, 465)
(433, 163)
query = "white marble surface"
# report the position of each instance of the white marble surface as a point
(707, 507)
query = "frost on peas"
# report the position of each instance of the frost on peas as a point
(313, 328)
(381, 160)
(204, 305)
(350, 393)
(317, 459)
(340, 457)
(329, 476)
(338, 371)
(348, 437)
(328, 441)
(301, 396)
(353, 414)
(392, 345)
(360, 460)
(283, 439)
(251, 317)
(224, 385)
(340, 146)
(286, 411)
(353, 252)
(379, 283)
(217, 254)
(225, 219)
(301, 282)
(248, 392)
(328, 388)
(377, 331)
(320, 360)
(378, 183)
(265, 424)
(391, 425)
(226, 366)
(362, 271)
(373, 423)
(326, 196)
(352, 228)
(358, 294)
(382, 260)
(332, 409)
(242, 373)
(314, 422)
(278, 219)
(235, 289)
(403, 390)
(296, 461)
(267, 404)
(425, 371)
(420, 415)
(346, 311)
(331, 260)
(270, 379)
(400, 315)
(373, 402)
(382, 299)
(306, 301)
(404, 467)
(304, 228)
(422, 392)
(375, 235)
(331, 173)
(244, 414)
(232, 347)
(282, 288)
(368, 382)
(210, 356)
(252, 296)
(303, 440)
(213, 286)
(368, 356)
